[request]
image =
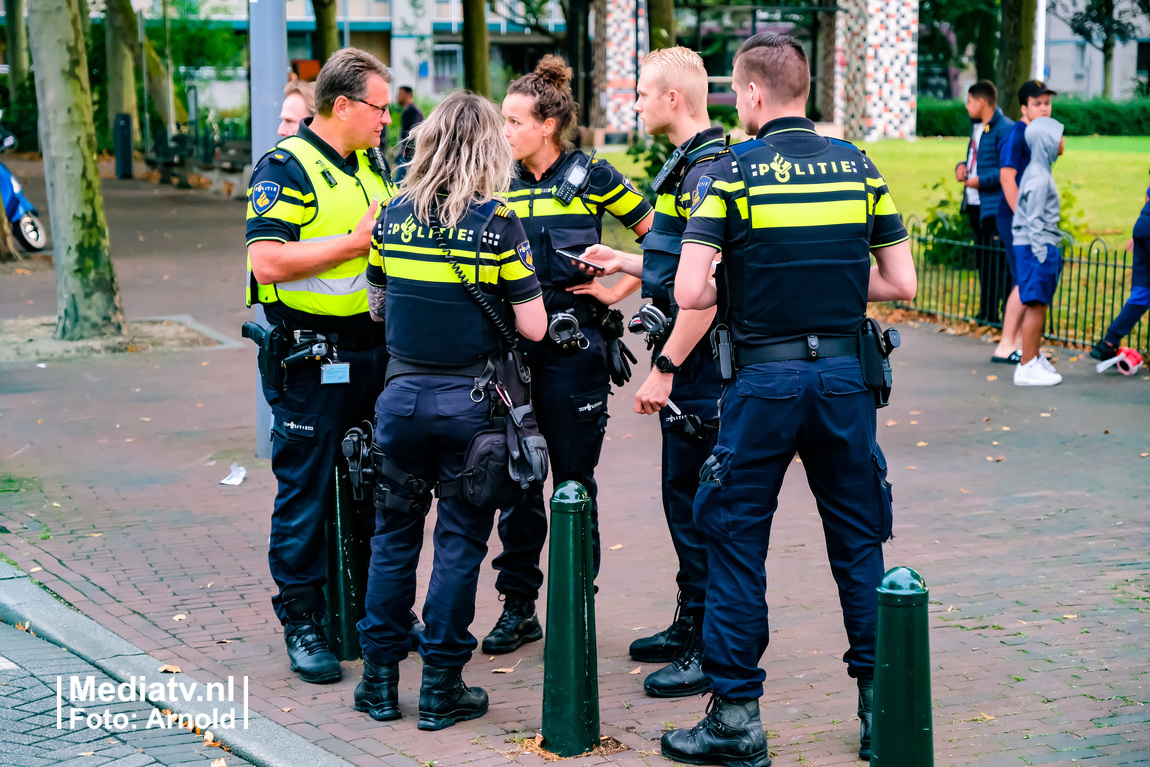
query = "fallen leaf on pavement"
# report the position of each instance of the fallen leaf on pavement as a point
(145, 419)
(990, 457)
(167, 668)
(986, 716)
(1144, 455)
(1073, 359)
(36, 569)
(95, 535)
(1045, 415)
(223, 641)
(916, 412)
(995, 442)
(992, 378)
(23, 271)
(891, 422)
(56, 505)
(219, 763)
(1006, 428)
(921, 444)
(1107, 431)
(616, 547)
(506, 670)
(987, 418)
(636, 671)
(912, 467)
(289, 708)
(950, 609)
(1072, 615)
(1000, 459)
(180, 617)
(87, 753)
(914, 423)
(963, 489)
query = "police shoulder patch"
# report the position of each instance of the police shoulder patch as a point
(279, 158)
(264, 196)
(524, 251)
(700, 192)
(503, 211)
(627, 183)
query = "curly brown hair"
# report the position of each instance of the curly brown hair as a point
(550, 87)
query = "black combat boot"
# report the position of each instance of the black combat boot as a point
(683, 677)
(378, 691)
(517, 624)
(672, 641)
(866, 702)
(306, 643)
(731, 734)
(444, 699)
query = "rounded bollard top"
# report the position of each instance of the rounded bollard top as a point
(902, 584)
(570, 497)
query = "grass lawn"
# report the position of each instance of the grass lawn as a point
(1109, 173)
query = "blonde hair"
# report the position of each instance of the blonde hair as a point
(306, 92)
(682, 69)
(459, 151)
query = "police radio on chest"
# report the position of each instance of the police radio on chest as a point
(576, 180)
(671, 172)
(378, 163)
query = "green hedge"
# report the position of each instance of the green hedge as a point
(1081, 118)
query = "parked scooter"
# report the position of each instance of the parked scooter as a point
(21, 213)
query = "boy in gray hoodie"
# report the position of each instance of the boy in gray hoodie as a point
(1036, 251)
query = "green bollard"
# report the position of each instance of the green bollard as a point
(348, 555)
(901, 733)
(570, 670)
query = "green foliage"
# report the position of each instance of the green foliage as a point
(649, 154)
(21, 115)
(1099, 117)
(947, 229)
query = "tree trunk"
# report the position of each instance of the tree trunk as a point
(88, 299)
(17, 52)
(1016, 51)
(121, 68)
(156, 71)
(985, 46)
(661, 23)
(598, 94)
(326, 29)
(9, 250)
(476, 48)
(1108, 66)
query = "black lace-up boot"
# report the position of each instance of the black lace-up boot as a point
(518, 624)
(672, 641)
(731, 734)
(444, 699)
(306, 643)
(378, 691)
(866, 703)
(684, 676)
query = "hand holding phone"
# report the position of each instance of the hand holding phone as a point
(591, 265)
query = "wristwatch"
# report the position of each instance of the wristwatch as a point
(664, 365)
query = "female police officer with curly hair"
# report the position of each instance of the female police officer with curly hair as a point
(440, 340)
(561, 195)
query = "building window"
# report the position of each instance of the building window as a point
(448, 67)
(1080, 59)
(1143, 57)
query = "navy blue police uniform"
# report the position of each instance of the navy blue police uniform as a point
(695, 392)
(795, 216)
(570, 386)
(439, 341)
(304, 191)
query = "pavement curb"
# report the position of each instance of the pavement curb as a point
(263, 743)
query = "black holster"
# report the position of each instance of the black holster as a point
(875, 347)
(274, 344)
(392, 488)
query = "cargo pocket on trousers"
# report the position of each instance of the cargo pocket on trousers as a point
(398, 398)
(708, 512)
(591, 407)
(293, 427)
(886, 497)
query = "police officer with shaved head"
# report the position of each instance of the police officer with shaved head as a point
(796, 218)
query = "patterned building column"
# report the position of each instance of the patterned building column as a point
(622, 16)
(880, 46)
(412, 46)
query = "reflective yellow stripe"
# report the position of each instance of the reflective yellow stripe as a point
(712, 206)
(549, 206)
(327, 286)
(885, 206)
(666, 204)
(304, 198)
(728, 186)
(465, 256)
(769, 216)
(430, 271)
(830, 186)
(875, 181)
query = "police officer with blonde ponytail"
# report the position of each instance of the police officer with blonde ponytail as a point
(450, 270)
(561, 195)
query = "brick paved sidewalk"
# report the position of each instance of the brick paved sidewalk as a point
(33, 736)
(1037, 564)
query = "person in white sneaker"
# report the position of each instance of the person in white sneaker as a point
(1037, 256)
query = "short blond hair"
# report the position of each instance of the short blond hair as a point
(682, 69)
(306, 92)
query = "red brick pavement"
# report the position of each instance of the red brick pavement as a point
(1037, 564)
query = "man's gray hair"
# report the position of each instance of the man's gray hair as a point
(345, 74)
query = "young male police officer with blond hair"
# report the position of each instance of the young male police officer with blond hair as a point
(311, 209)
(796, 217)
(684, 385)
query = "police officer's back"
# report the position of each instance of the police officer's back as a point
(442, 229)
(311, 208)
(796, 218)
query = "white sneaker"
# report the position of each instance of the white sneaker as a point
(1047, 365)
(1033, 373)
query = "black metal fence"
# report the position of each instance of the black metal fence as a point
(1093, 286)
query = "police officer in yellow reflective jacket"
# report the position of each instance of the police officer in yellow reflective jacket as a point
(560, 195)
(311, 208)
(450, 267)
(796, 218)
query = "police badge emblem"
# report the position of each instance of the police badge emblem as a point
(264, 196)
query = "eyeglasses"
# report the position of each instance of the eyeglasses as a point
(373, 106)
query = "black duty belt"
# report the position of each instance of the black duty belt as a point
(397, 367)
(810, 348)
(588, 311)
(350, 342)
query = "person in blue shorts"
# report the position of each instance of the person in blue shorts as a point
(1036, 253)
